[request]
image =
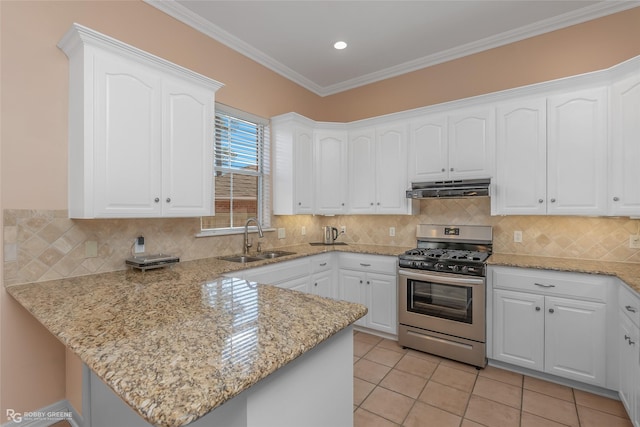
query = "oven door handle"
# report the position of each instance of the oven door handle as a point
(442, 278)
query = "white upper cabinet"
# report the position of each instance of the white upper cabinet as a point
(577, 152)
(140, 132)
(453, 146)
(304, 200)
(331, 186)
(428, 152)
(624, 188)
(521, 158)
(378, 171)
(472, 137)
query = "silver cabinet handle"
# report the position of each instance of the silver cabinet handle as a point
(544, 286)
(628, 338)
(551, 310)
(537, 308)
(630, 308)
(157, 199)
(323, 264)
(615, 199)
(365, 265)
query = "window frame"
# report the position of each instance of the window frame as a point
(264, 176)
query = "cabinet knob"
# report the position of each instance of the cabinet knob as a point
(616, 199)
(553, 200)
(443, 169)
(299, 203)
(342, 204)
(451, 169)
(323, 264)
(551, 310)
(537, 308)
(540, 200)
(371, 203)
(157, 199)
(315, 284)
(630, 308)
(378, 203)
(360, 281)
(368, 283)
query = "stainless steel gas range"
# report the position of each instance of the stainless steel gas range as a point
(441, 292)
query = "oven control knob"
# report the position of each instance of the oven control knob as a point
(439, 266)
(465, 269)
(454, 267)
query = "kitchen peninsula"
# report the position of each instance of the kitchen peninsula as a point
(184, 346)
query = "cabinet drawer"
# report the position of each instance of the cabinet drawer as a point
(629, 303)
(277, 273)
(322, 262)
(577, 285)
(377, 263)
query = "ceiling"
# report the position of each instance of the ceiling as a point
(385, 38)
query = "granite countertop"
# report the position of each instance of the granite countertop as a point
(176, 343)
(628, 272)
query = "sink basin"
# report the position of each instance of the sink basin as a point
(273, 254)
(240, 258)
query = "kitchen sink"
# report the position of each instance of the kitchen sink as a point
(240, 258)
(257, 257)
(273, 254)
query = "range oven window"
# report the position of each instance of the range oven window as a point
(452, 302)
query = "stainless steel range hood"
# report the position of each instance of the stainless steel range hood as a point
(456, 189)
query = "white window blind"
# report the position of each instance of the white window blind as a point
(241, 170)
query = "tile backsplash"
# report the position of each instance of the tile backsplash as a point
(44, 244)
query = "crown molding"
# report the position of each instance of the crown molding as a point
(186, 16)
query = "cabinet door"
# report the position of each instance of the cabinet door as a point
(472, 137)
(575, 340)
(127, 150)
(322, 285)
(352, 290)
(628, 369)
(577, 153)
(330, 176)
(187, 153)
(518, 328)
(299, 284)
(521, 152)
(428, 152)
(303, 177)
(381, 302)
(391, 170)
(624, 194)
(362, 172)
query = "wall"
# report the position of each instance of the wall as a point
(42, 243)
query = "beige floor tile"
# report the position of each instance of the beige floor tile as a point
(416, 366)
(498, 391)
(444, 397)
(492, 414)
(592, 418)
(549, 407)
(454, 377)
(423, 415)
(404, 383)
(391, 345)
(368, 338)
(530, 420)
(370, 371)
(384, 356)
(549, 388)
(360, 348)
(603, 404)
(388, 404)
(469, 423)
(501, 375)
(361, 389)
(362, 418)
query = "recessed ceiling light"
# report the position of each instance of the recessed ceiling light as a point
(340, 45)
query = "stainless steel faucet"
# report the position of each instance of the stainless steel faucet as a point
(247, 244)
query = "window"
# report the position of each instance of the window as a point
(241, 171)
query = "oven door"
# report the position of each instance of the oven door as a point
(451, 304)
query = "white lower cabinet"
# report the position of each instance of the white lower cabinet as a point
(628, 346)
(371, 280)
(562, 335)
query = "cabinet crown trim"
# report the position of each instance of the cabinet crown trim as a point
(79, 35)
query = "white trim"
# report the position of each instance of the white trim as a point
(181, 13)
(60, 406)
